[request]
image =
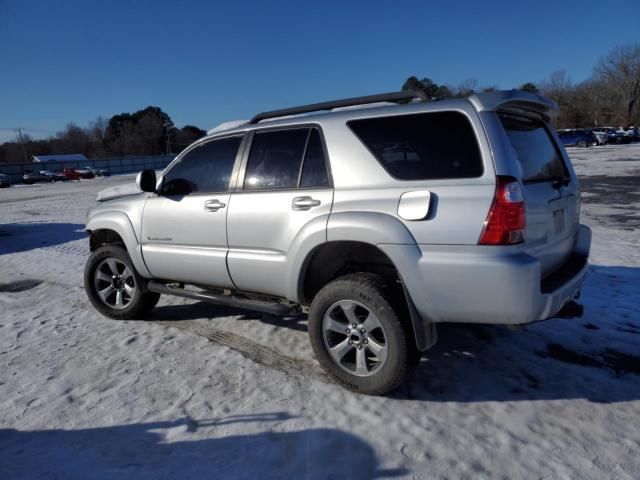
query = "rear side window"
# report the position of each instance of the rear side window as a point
(425, 146)
(275, 159)
(535, 149)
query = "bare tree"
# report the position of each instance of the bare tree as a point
(560, 89)
(621, 69)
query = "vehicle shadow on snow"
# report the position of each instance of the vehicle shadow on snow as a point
(207, 310)
(594, 357)
(588, 358)
(21, 237)
(170, 449)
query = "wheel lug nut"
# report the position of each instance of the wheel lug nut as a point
(350, 342)
(365, 341)
(359, 347)
(354, 325)
(362, 330)
(348, 330)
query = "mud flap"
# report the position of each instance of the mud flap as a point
(571, 310)
(424, 330)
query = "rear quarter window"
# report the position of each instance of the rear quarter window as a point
(535, 149)
(423, 146)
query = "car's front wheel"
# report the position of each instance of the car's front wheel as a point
(357, 336)
(114, 287)
(582, 144)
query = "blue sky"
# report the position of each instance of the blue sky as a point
(206, 62)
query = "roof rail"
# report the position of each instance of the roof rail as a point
(345, 102)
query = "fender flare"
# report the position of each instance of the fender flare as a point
(376, 229)
(369, 227)
(120, 223)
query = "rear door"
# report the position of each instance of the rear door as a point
(550, 190)
(284, 188)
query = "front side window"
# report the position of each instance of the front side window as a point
(275, 159)
(204, 169)
(423, 146)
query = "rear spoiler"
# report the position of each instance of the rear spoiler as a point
(515, 101)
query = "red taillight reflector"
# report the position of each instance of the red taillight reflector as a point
(506, 219)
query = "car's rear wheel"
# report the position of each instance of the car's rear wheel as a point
(114, 287)
(357, 336)
(582, 144)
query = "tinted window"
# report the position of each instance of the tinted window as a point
(314, 168)
(274, 161)
(535, 150)
(206, 168)
(422, 146)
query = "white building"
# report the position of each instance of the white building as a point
(59, 158)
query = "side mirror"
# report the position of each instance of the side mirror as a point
(146, 181)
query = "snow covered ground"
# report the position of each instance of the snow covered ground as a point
(203, 391)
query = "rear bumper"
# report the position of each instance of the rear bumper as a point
(487, 284)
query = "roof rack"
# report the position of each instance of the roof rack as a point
(345, 102)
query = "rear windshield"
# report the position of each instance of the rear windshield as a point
(535, 150)
(424, 146)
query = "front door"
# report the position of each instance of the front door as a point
(285, 188)
(184, 235)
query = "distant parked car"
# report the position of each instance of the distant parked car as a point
(618, 136)
(73, 174)
(57, 176)
(84, 172)
(42, 176)
(5, 181)
(633, 133)
(96, 171)
(600, 134)
(577, 138)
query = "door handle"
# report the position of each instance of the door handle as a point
(213, 205)
(304, 203)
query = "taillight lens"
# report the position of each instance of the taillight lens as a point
(506, 219)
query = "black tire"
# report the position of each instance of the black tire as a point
(582, 144)
(372, 292)
(139, 304)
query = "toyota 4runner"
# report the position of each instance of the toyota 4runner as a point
(377, 216)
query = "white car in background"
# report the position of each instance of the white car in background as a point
(95, 171)
(601, 135)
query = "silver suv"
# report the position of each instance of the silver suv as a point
(377, 216)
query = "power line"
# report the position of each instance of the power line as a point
(15, 129)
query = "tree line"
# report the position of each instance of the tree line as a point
(609, 97)
(149, 131)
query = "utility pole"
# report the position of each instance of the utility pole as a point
(24, 152)
(166, 126)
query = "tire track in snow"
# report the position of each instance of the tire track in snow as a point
(256, 352)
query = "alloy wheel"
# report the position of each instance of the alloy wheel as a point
(355, 338)
(114, 283)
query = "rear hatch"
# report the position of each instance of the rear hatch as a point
(551, 194)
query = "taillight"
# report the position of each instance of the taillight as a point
(506, 219)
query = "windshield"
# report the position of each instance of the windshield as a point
(535, 149)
